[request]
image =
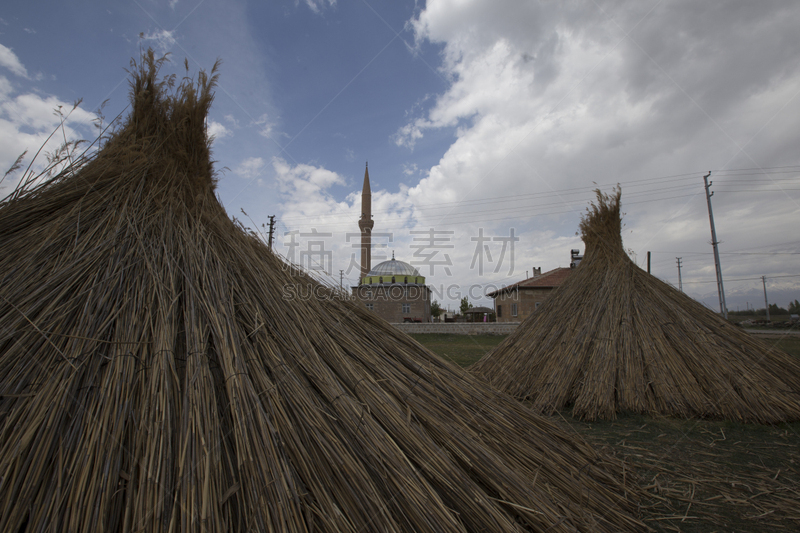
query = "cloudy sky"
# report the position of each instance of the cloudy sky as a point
(486, 124)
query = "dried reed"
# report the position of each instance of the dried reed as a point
(159, 371)
(613, 338)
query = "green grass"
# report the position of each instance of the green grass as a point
(790, 345)
(697, 475)
(463, 350)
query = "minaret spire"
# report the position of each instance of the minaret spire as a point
(366, 223)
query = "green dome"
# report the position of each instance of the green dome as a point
(393, 271)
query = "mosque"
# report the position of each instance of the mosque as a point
(394, 290)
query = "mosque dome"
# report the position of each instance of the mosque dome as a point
(393, 271)
(398, 268)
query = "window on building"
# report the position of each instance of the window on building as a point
(371, 307)
(499, 311)
(406, 308)
(392, 279)
(513, 309)
(405, 280)
(537, 305)
(380, 279)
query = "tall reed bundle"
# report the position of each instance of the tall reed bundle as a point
(613, 338)
(162, 370)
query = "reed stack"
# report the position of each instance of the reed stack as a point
(613, 338)
(160, 370)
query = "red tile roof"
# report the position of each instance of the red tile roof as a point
(548, 280)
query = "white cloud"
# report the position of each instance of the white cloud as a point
(410, 169)
(304, 180)
(266, 126)
(5, 87)
(9, 60)
(35, 112)
(234, 122)
(547, 98)
(308, 205)
(27, 120)
(250, 168)
(548, 101)
(217, 130)
(403, 222)
(163, 40)
(317, 6)
(409, 134)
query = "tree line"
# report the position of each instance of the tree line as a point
(774, 309)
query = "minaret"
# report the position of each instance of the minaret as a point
(366, 223)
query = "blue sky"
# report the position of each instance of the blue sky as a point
(477, 117)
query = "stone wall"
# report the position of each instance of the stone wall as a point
(396, 302)
(460, 328)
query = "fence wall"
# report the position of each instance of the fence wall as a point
(460, 328)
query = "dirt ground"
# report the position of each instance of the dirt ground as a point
(699, 475)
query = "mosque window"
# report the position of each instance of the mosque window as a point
(406, 308)
(371, 307)
(392, 279)
(405, 280)
(380, 279)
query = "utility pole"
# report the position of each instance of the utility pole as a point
(680, 283)
(271, 229)
(720, 289)
(766, 303)
(648, 262)
(341, 275)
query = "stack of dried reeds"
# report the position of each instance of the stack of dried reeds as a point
(161, 371)
(613, 338)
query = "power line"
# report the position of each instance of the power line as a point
(745, 279)
(511, 213)
(728, 191)
(725, 253)
(758, 169)
(574, 204)
(586, 191)
(627, 184)
(471, 216)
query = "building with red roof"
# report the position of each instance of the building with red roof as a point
(516, 302)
